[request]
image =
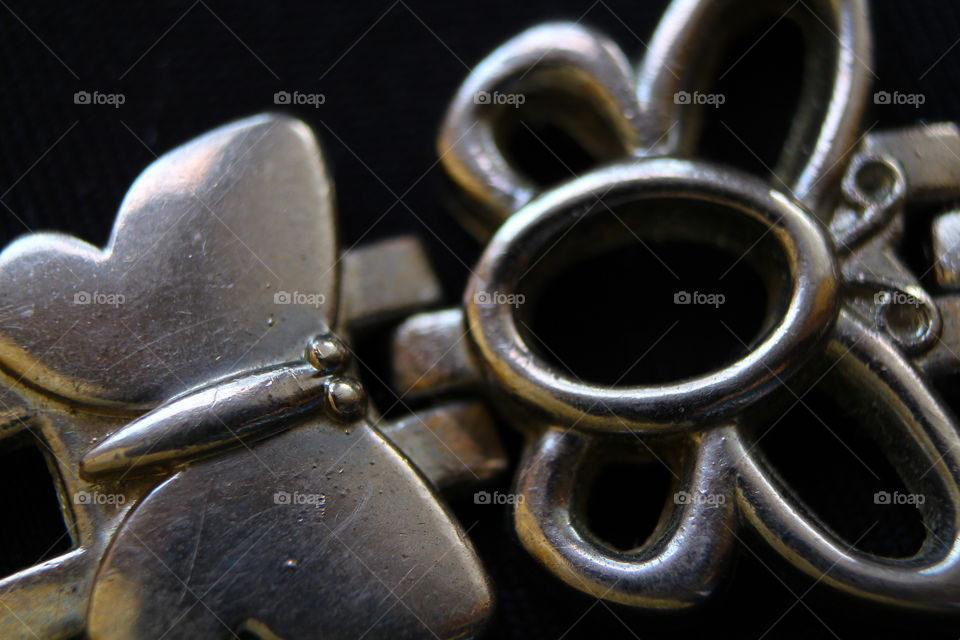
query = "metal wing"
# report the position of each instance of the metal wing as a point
(222, 253)
(183, 293)
(322, 531)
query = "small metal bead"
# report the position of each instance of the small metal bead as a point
(327, 353)
(346, 398)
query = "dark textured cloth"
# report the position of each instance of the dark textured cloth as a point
(387, 72)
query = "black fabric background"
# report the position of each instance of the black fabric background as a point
(387, 72)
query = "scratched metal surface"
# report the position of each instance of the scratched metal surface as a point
(93, 157)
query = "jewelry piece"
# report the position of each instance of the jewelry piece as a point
(214, 455)
(821, 232)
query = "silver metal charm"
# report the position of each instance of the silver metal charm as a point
(217, 464)
(821, 232)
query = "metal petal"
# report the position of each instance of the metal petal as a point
(927, 454)
(689, 41)
(678, 567)
(562, 57)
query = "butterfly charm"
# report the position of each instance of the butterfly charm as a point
(218, 468)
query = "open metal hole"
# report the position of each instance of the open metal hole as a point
(840, 455)
(655, 292)
(625, 501)
(557, 133)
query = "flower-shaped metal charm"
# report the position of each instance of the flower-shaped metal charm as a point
(820, 232)
(218, 469)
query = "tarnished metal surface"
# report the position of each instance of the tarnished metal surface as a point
(217, 464)
(386, 279)
(821, 232)
(431, 354)
(452, 444)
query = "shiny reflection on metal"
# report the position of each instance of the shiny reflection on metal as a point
(807, 314)
(217, 464)
(835, 206)
(326, 353)
(254, 405)
(946, 250)
(640, 109)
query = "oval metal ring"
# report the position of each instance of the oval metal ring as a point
(808, 313)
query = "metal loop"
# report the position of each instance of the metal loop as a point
(681, 563)
(804, 318)
(564, 57)
(834, 96)
(931, 577)
(875, 186)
